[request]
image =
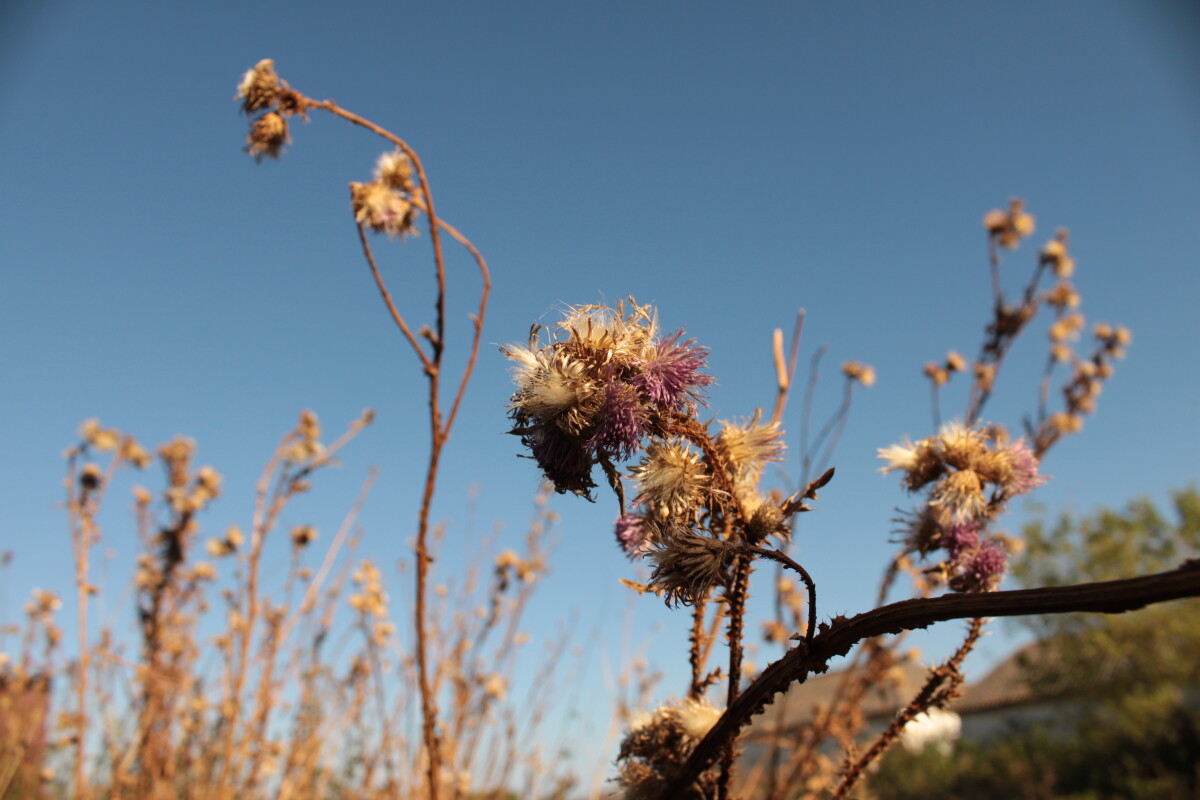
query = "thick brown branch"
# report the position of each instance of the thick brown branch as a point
(1107, 597)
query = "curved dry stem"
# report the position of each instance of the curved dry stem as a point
(695, 643)
(782, 558)
(439, 429)
(435, 237)
(737, 613)
(476, 319)
(397, 317)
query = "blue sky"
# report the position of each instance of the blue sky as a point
(729, 163)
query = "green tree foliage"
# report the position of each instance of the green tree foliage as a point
(1132, 681)
(1108, 656)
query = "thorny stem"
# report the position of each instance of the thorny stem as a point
(736, 598)
(737, 612)
(1109, 597)
(694, 432)
(706, 650)
(929, 696)
(695, 640)
(439, 428)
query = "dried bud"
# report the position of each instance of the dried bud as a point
(303, 535)
(936, 373)
(688, 565)
(767, 521)
(382, 209)
(395, 171)
(89, 478)
(267, 136)
(259, 88)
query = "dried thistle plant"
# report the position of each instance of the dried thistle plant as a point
(607, 389)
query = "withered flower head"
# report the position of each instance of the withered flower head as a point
(958, 498)
(1054, 253)
(767, 520)
(134, 453)
(960, 446)
(563, 458)
(921, 462)
(959, 539)
(395, 171)
(600, 385)
(633, 536)
(1063, 296)
(382, 209)
(309, 425)
(267, 136)
(749, 445)
(259, 88)
(938, 374)
(102, 439)
(658, 743)
(177, 455)
(1009, 227)
(672, 478)
(1013, 468)
(670, 376)
(982, 569)
(863, 373)
(303, 535)
(90, 477)
(688, 565)
(919, 531)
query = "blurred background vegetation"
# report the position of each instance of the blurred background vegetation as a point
(1125, 688)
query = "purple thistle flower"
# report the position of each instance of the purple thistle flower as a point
(982, 570)
(672, 377)
(958, 539)
(631, 535)
(622, 422)
(1025, 477)
(564, 460)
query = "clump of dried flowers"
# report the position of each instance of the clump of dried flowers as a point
(657, 745)
(604, 382)
(969, 474)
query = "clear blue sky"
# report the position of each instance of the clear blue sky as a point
(727, 162)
